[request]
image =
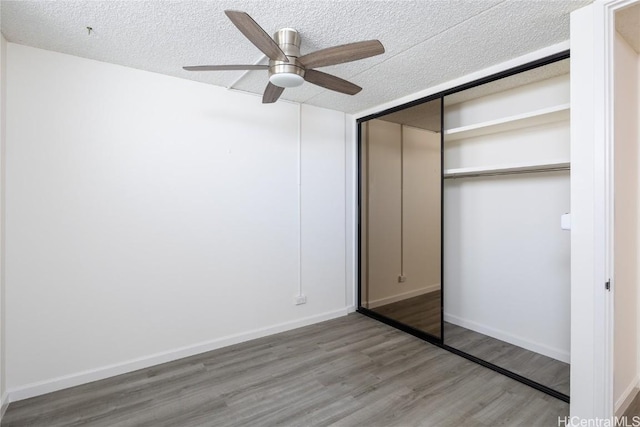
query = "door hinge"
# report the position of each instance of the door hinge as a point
(607, 285)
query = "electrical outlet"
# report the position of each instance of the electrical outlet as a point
(300, 299)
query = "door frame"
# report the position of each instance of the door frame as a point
(592, 204)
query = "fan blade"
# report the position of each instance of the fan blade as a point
(271, 93)
(225, 67)
(331, 82)
(340, 54)
(256, 35)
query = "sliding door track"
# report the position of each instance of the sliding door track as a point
(440, 343)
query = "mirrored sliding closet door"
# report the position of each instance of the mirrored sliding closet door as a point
(400, 215)
(461, 243)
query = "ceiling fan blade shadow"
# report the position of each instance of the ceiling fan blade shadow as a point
(271, 93)
(331, 82)
(256, 35)
(225, 67)
(341, 54)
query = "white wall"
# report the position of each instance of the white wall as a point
(627, 231)
(3, 81)
(149, 218)
(638, 221)
(506, 260)
(351, 217)
(323, 208)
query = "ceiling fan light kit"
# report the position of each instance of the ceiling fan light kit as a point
(287, 74)
(286, 79)
(286, 67)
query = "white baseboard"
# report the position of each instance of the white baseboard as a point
(48, 386)
(351, 309)
(539, 348)
(4, 405)
(402, 296)
(627, 397)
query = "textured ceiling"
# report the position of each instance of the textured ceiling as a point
(628, 25)
(427, 42)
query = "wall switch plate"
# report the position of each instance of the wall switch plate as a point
(300, 299)
(402, 279)
(565, 221)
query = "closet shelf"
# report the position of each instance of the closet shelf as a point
(506, 169)
(553, 114)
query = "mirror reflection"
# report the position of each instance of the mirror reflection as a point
(401, 183)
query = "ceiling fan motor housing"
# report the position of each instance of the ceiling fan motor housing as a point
(287, 74)
(286, 67)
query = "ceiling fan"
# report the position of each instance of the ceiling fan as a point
(286, 67)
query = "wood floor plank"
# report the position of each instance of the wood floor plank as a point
(537, 367)
(634, 408)
(351, 371)
(423, 312)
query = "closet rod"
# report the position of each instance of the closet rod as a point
(515, 172)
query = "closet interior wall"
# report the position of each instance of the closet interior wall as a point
(506, 260)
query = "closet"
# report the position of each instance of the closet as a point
(483, 239)
(507, 260)
(401, 238)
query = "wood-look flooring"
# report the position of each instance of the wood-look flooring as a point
(529, 364)
(634, 409)
(423, 312)
(350, 371)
